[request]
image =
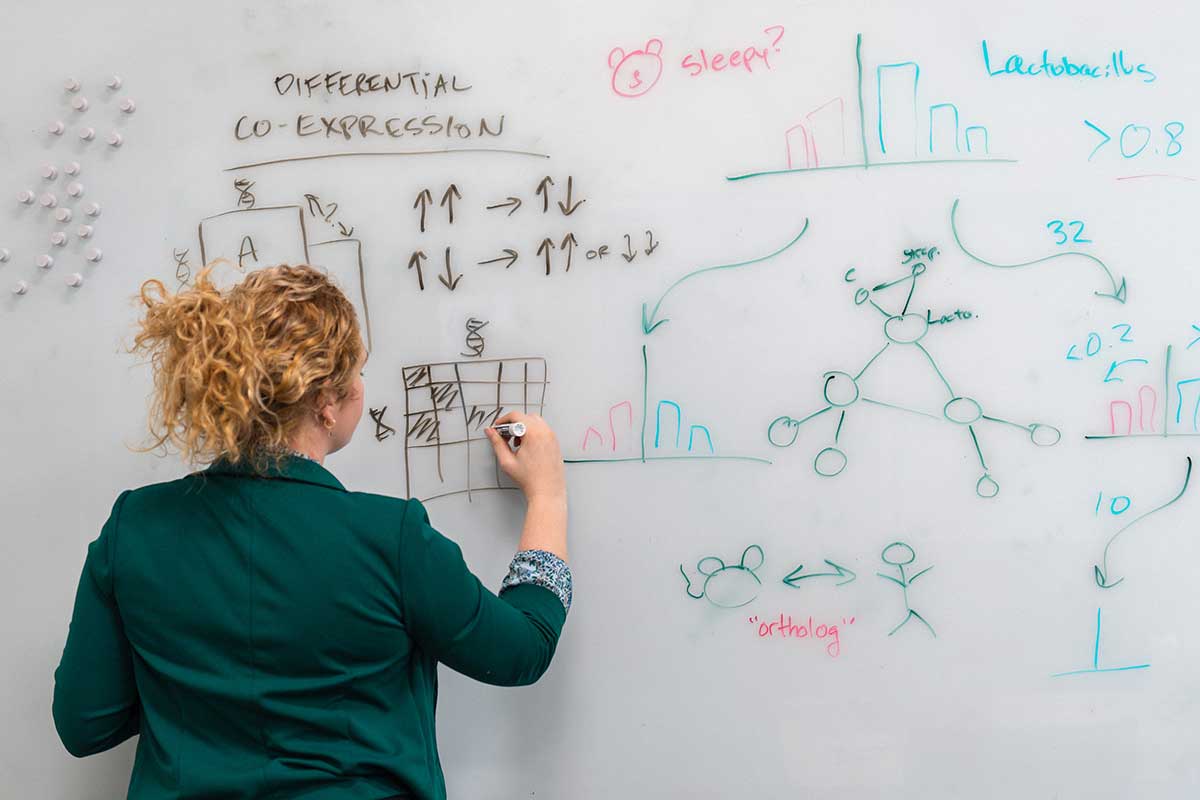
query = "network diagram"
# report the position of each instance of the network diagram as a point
(843, 391)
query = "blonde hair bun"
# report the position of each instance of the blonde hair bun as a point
(237, 370)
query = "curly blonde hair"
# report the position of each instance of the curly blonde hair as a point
(236, 371)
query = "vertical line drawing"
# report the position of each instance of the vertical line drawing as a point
(862, 117)
(499, 383)
(1166, 389)
(1112, 416)
(360, 276)
(808, 152)
(916, 79)
(612, 429)
(462, 398)
(645, 398)
(1096, 668)
(1142, 407)
(954, 109)
(658, 420)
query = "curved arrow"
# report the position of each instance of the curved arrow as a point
(1110, 378)
(1118, 292)
(649, 323)
(794, 577)
(1101, 570)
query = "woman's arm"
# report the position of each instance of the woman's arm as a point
(510, 639)
(95, 698)
(536, 465)
(507, 640)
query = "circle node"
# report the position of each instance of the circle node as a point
(962, 410)
(829, 462)
(986, 487)
(840, 389)
(1044, 435)
(906, 328)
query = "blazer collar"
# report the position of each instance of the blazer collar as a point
(292, 468)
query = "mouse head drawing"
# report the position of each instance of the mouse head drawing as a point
(730, 585)
(635, 73)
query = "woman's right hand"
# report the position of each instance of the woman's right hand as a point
(536, 465)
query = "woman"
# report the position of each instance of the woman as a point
(266, 632)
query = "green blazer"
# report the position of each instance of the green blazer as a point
(278, 636)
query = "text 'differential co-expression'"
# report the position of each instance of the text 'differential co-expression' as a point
(396, 86)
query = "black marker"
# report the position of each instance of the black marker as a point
(510, 430)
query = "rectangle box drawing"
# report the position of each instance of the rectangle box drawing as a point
(342, 260)
(255, 237)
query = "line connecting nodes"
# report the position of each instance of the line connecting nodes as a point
(842, 392)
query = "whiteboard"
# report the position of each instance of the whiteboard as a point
(867, 329)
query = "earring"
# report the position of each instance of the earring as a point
(329, 423)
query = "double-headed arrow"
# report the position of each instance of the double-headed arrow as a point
(794, 577)
(649, 321)
(1101, 570)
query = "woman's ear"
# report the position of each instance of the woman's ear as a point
(326, 411)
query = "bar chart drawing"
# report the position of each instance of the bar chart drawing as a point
(894, 84)
(666, 432)
(906, 130)
(447, 406)
(818, 125)
(933, 125)
(1184, 410)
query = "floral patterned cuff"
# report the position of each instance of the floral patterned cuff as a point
(541, 569)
